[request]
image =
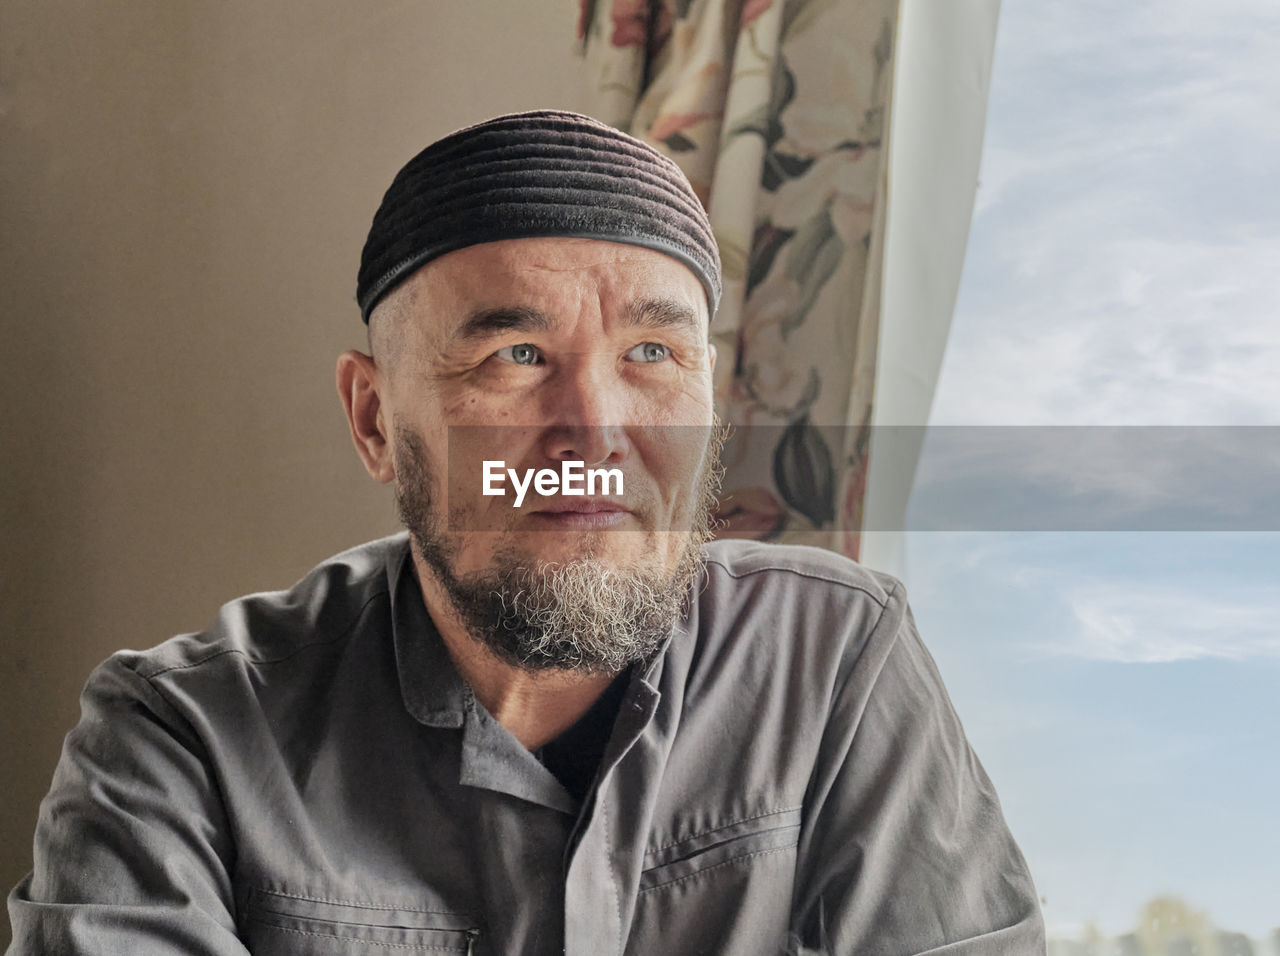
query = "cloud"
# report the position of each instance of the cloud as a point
(1154, 624)
(1113, 598)
(1121, 263)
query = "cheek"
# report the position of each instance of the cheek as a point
(473, 428)
(671, 401)
(470, 447)
(674, 456)
(465, 408)
(479, 409)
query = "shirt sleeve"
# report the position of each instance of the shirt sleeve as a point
(904, 850)
(132, 849)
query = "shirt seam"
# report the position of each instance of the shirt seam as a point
(729, 862)
(346, 631)
(883, 602)
(723, 826)
(842, 679)
(216, 785)
(356, 904)
(870, 639)
(613, 878)
(366, 942)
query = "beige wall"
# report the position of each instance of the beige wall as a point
(184, 190)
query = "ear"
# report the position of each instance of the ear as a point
(711, 349)
(358, 387)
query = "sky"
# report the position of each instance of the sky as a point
(1117, 672)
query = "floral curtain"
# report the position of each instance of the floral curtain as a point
(777, 112)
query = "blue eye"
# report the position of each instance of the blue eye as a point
(648, 352)
(522, 354)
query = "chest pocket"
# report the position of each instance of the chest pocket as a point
(277, 924)
(726, 890)
(733, 844)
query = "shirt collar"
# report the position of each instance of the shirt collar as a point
(433, 690)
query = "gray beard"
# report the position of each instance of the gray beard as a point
(580, 615)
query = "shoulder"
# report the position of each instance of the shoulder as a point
(322, 609)
(802, 570)
(793, 608)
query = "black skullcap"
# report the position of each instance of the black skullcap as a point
(541, 173)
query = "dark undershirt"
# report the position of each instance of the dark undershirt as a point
(575, 755)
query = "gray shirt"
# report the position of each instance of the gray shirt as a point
(312, 775)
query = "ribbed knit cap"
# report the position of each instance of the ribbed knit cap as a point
(523, 175)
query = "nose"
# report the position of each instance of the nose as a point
(584, 411)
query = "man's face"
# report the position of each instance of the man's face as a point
(533, 352)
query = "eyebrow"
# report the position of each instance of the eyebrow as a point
(646, 313)
(662, 314)
(488, 322)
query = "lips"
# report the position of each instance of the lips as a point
(582, 515)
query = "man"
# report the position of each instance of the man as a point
(567, 725)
